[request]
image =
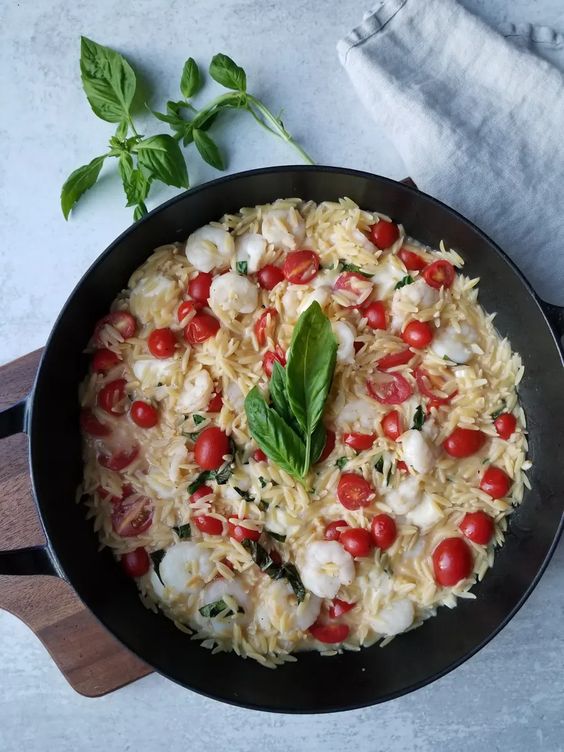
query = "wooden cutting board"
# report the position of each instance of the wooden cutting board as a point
(90, 659)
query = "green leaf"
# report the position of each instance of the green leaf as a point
(241, 267)
(191, 82)
(379, 465)
(78, 182)
(274, 436)
(287, 571)
(205, 124)
(276, 536)
(183, 531)
(139, 211)
(341, 462)
(222, 475)
(345, 267)
(156, 558)
(217, 607)
(135, 184)
(497, 413)
(163, 160)
(263, 482)
(279, 395)
(108, 81)
(407, 280)
(208, 149)
(318, 441)
(244, 494)
(198, 419)
(121, 130)
(293, 577)
(201, 479)
(228, 73)
(310, 368)
(172, 119)
(418, 418)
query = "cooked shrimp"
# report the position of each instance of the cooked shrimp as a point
(209, 248)
(182, 562)
(280, 602)
(233, 293)
(395, 618)
(236, 600)
(196, 392)
(405, 496)
(284, 228)
(455, 345)
(418, 451)
(358, 413)
(326, 567)
(250, 248)
(345, 338)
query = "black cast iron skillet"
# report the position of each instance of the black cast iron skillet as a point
(313, 684)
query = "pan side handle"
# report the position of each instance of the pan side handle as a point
(555, 316)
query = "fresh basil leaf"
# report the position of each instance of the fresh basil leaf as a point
(172, 119)
(121, 130)
(418, 418)
(279, 395)
(276, 536)
(228, 73)
(341, 462)
(139, 211)
(78, 182)
(291, 574)
(262, 481)
(244, 494)
(445, 357)
(241, 267)
(183, 531)
(309, 370)
(259, 555)
(222, 475)
(498, 412)
(188, 136)
(156, 558)
(318, 441)
(205, 124)
(379, 465)
(217, 607)
(208, 149)
(108, 81)
(201, 479)
(163, 160)
(274, 436)
(407, 280)
(135, 184)
(346, 267)
(198, 419)
(190, 82)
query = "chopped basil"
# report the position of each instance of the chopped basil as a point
(407, 280)
(156, 558)
(200, 480)
(390, 471)
(198, 419)
(263, 505)
(445, 357)
(499, 411)
(286, 571)
(341, 462)
(293, 577)
(418, 418)
(241, 267)
(220, 476)
(263, 482)
(217, 607)
(276, 536)
(345, 267)
(192, 435)
(244, 494)
(183, 531)
(379, 465)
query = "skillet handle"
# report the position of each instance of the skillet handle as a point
(555, 316)
(35, 559)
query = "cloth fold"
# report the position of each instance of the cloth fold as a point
(477, 117)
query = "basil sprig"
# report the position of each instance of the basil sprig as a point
(290, 432)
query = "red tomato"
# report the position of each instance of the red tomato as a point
(384, 531)
(122, 321)
(210, 447)
(353, 491)
(162, 343)
(270, 357)
(452, 561)
(119, 460)
(136, 563)
(413, 262)
(132, 515)
(376, 315)
(200, 328)
(425, 383)
(391, 390)
(478, 527)
(439, 274)
(200, 493)
(417, 334)
(505, 425)
(358, 346)
(104, 359)
(402, 467)
(265, 321)
(300, 267)
(269, 276)
(143, 414)
(391, 425)
(259, 456)
(329, 445)
(384, 234)
(338, 608)
(241, 533)
(111, 397)
(495, 482)
(185, 308)
(359, 441)
(215, 404)
(209, 525)
(91, 425)
(199, 287)
(464, 442)
(394, 359)
(354, 287)
(357, 541)
(329, 633)
(334, 529)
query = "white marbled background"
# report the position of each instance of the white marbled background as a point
(508, 697)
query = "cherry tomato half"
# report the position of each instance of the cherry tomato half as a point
(384, 531)
(120, 459)
(391, 390)
(334, 529)
(394, 359)
(199, 287)
(330, 634)
(376, 315)
(215, 404)
(338, 608)
(300, 267)
(357, 541)
(353, 491)
(104, 359)
(391, 425)
(162, 342)
(269, 359)
(208, 525)
(241, 533)
(354, 287)
(402, 467)
(452, 561)
(439, 274)
(464, 442)
(91, 425)
(200, 328)
(413, 262)
(122, 321)
(188, 306)
(136, 563)
(199, 493)
(330, 441)
(495, 482)
(359, 441)
(264, 322)
(425, 383)
(111, 397)
(384, 234)
(259, 456)
(505, 425)
(418, 334)
(132, 515)
(477, 527)
(210, 447)
(269, 276)
(143, 414)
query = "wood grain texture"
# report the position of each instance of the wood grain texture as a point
(91, 660)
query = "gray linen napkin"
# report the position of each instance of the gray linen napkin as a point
(478, 118)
